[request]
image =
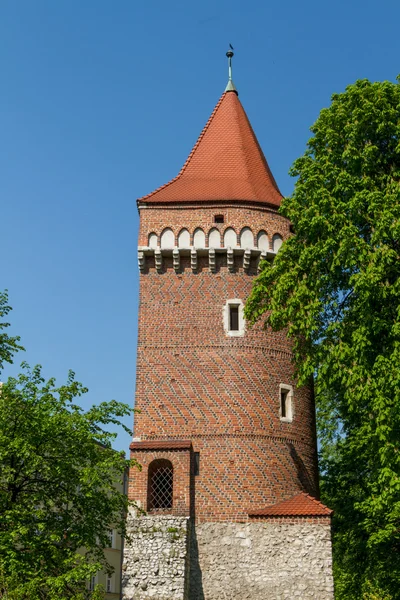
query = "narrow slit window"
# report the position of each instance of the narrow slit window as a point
(219, 219)
(284, 397)
(196, 463)
(286, 402)
(234, 317)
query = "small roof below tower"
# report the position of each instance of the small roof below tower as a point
(226, 163)
(300, 505)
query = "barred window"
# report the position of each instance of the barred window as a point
(160, 486)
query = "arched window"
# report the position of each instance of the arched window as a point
(160, 486)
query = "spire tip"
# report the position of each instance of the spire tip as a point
(231, 86)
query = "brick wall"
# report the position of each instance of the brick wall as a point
(181, 462)
(194, 382)
(157, 218)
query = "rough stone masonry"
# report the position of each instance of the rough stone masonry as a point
(242, 561)
(262, 560)
(156, 558)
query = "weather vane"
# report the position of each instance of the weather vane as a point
(231, 86)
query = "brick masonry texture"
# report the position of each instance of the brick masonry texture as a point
(194, 382)
(156, 219)
(181, 461)
(201, 390)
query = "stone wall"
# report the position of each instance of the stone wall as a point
(261, 561)
(156, 558)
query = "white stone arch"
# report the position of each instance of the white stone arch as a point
(214, 238)
(167, 238)
(199, 238)
(262, 241)
(230, 238)
(246, 238)
(153, 240)
(184, 239)
(276, 242)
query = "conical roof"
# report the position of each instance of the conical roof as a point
(225, 164)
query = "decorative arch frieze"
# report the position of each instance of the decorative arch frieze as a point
(153, 240)
(199, 238)
(184, 239)
(214, 238)
(276, 242)
(246, 238)
(262, 241)
(167, 238)
(230, 238)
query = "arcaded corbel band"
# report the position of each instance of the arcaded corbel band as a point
(211, 260)
(231, 263)
(176, 259)
(193, 259)
(141, 260)
(246, 259)
(263, 256)
(158, 258)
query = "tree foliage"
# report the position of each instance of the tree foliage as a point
(335, 287)
(61, 487)
(8, 344)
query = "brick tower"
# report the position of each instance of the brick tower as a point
(226, 440)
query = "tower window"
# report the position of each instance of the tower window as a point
(233, 317)
(160, 486)
(196, 463)
(284, 398)
(219, 219)
(286, 403)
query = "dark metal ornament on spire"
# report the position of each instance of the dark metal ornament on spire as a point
(231, 86)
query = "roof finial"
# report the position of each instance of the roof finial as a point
(231, 86)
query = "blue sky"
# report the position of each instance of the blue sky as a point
(101, 103)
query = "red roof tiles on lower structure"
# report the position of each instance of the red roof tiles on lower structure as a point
(226, 163)
(161, 445)
(300, 505)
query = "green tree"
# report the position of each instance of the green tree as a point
(8, 344)
(335, 287)
(61, 484)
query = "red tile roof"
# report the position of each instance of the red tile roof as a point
(161, 445)
(301, 505)
(226, 163)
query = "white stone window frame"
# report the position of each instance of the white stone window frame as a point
(226, 318)
(93, 581)
(111, 537)
(284, 387)
(109, 584)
